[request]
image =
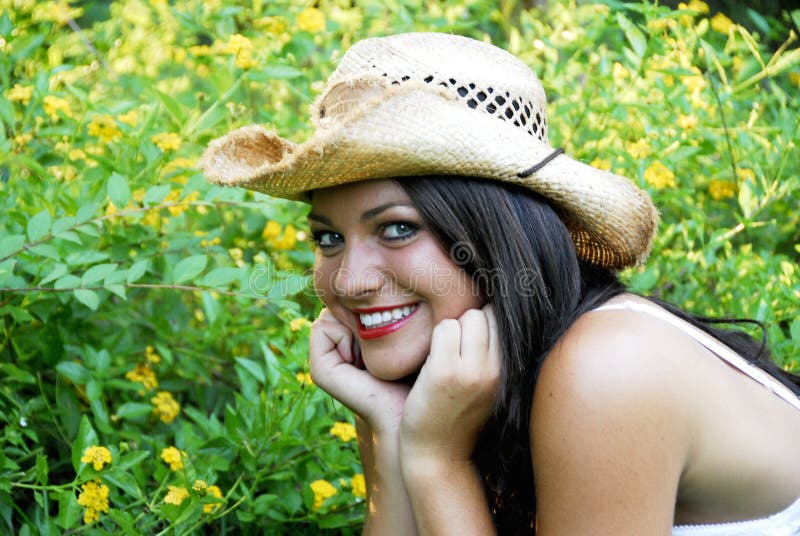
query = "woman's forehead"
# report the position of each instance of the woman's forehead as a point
(358, 195)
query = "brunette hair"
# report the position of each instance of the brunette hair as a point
(518, 250)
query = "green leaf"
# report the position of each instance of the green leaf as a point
(11, 244)
(253, 368)
(173, 107)
(17, 313)
(97, 272)
(125, 521)
(69, 511)
(86, 212)
(45, 250)
(13, 373)
(189, 268)
(94, 390)
(59, 269)
(156, 194)
(634, 35)
(87, 297)
(75, 372)
(39, 225)
(118, 289)
(118, 191)
(67, 281)
(134, 410)
(280, 72)
(87, 437)
(62, 224)
(137, 270)
(41, 469)
(219, 277)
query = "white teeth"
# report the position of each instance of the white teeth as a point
(370, 320)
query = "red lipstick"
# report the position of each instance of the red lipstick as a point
(374, 333)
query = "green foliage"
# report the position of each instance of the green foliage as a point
(142, 308)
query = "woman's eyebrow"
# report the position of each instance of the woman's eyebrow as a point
(371, 213)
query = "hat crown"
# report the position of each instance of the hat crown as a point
(477, 74)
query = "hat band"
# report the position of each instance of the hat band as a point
(540, 165)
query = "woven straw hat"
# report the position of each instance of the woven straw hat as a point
(440, 104)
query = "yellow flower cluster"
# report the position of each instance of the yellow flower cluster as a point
(687, 122)
(20, 93)
(105, 128)
(344, 431)
(173, 457)
(59, 12)
(167, 141)
(719, 189)
(323, 490)
(359, 486)
(721, 23)
(745, 174)
(174, 196)
(165, 406)
(639, 149)
(176, 495)
(311, 20)
(143, 374)
(695, 5)
(601, 163)
(659, 176)
(272, 234)
(93, 497)
(242, 49)
(304, 378)
(151, 355)
(299, 323)
(129, 118)
(96, 455)
(214, 491)
(52, 105)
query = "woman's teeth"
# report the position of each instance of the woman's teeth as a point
(376, 320)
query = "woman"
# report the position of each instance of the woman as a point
(501, 377)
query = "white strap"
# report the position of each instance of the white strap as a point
(712, 344)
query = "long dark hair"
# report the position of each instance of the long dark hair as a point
(518, 250)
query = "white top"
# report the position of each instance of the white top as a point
(785, 522)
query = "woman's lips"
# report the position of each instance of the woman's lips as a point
(373, 333)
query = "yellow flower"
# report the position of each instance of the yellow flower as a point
(304, 378)
(323, 490)
(274, 25)
(176, 495)
(200, 486)
(695, 5)
(659, 176)
(794, 78)
(76, 154)
(344, 431)
(214, 491)
(639, 149)
(129, 118)
(20, 93)
(167, 141)
(601, 163)
(238, 44)
(93, 497)
(687, 122)
(288, 240)
(311, 20)
(97, 456)
(745, 174)
(166, 407)
(694, 83)
(173, 457)
(105, 128)
(359, 486)
(53, 105)
(619, 71)
(143, 374)
(151, 355)
(721, 23)
(271, 230)
(721, 189)
(299, 323)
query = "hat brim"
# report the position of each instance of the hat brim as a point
(415, 129)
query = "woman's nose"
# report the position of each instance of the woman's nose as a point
(361, 271)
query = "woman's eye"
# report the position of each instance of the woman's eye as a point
(326, 239)
(399, 230)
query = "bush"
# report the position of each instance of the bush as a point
(154, 327)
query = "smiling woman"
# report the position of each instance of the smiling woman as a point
(502, 378)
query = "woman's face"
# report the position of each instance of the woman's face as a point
(383, 274)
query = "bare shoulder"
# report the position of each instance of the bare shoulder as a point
(611, 426)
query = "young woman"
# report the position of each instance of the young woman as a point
(502, 379)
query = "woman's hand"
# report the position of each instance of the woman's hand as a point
(333, 361)
(455, 391)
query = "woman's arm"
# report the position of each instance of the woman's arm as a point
(610, 431)
(388, 506)
(450, 402)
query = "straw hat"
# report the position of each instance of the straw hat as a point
(440, 104)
